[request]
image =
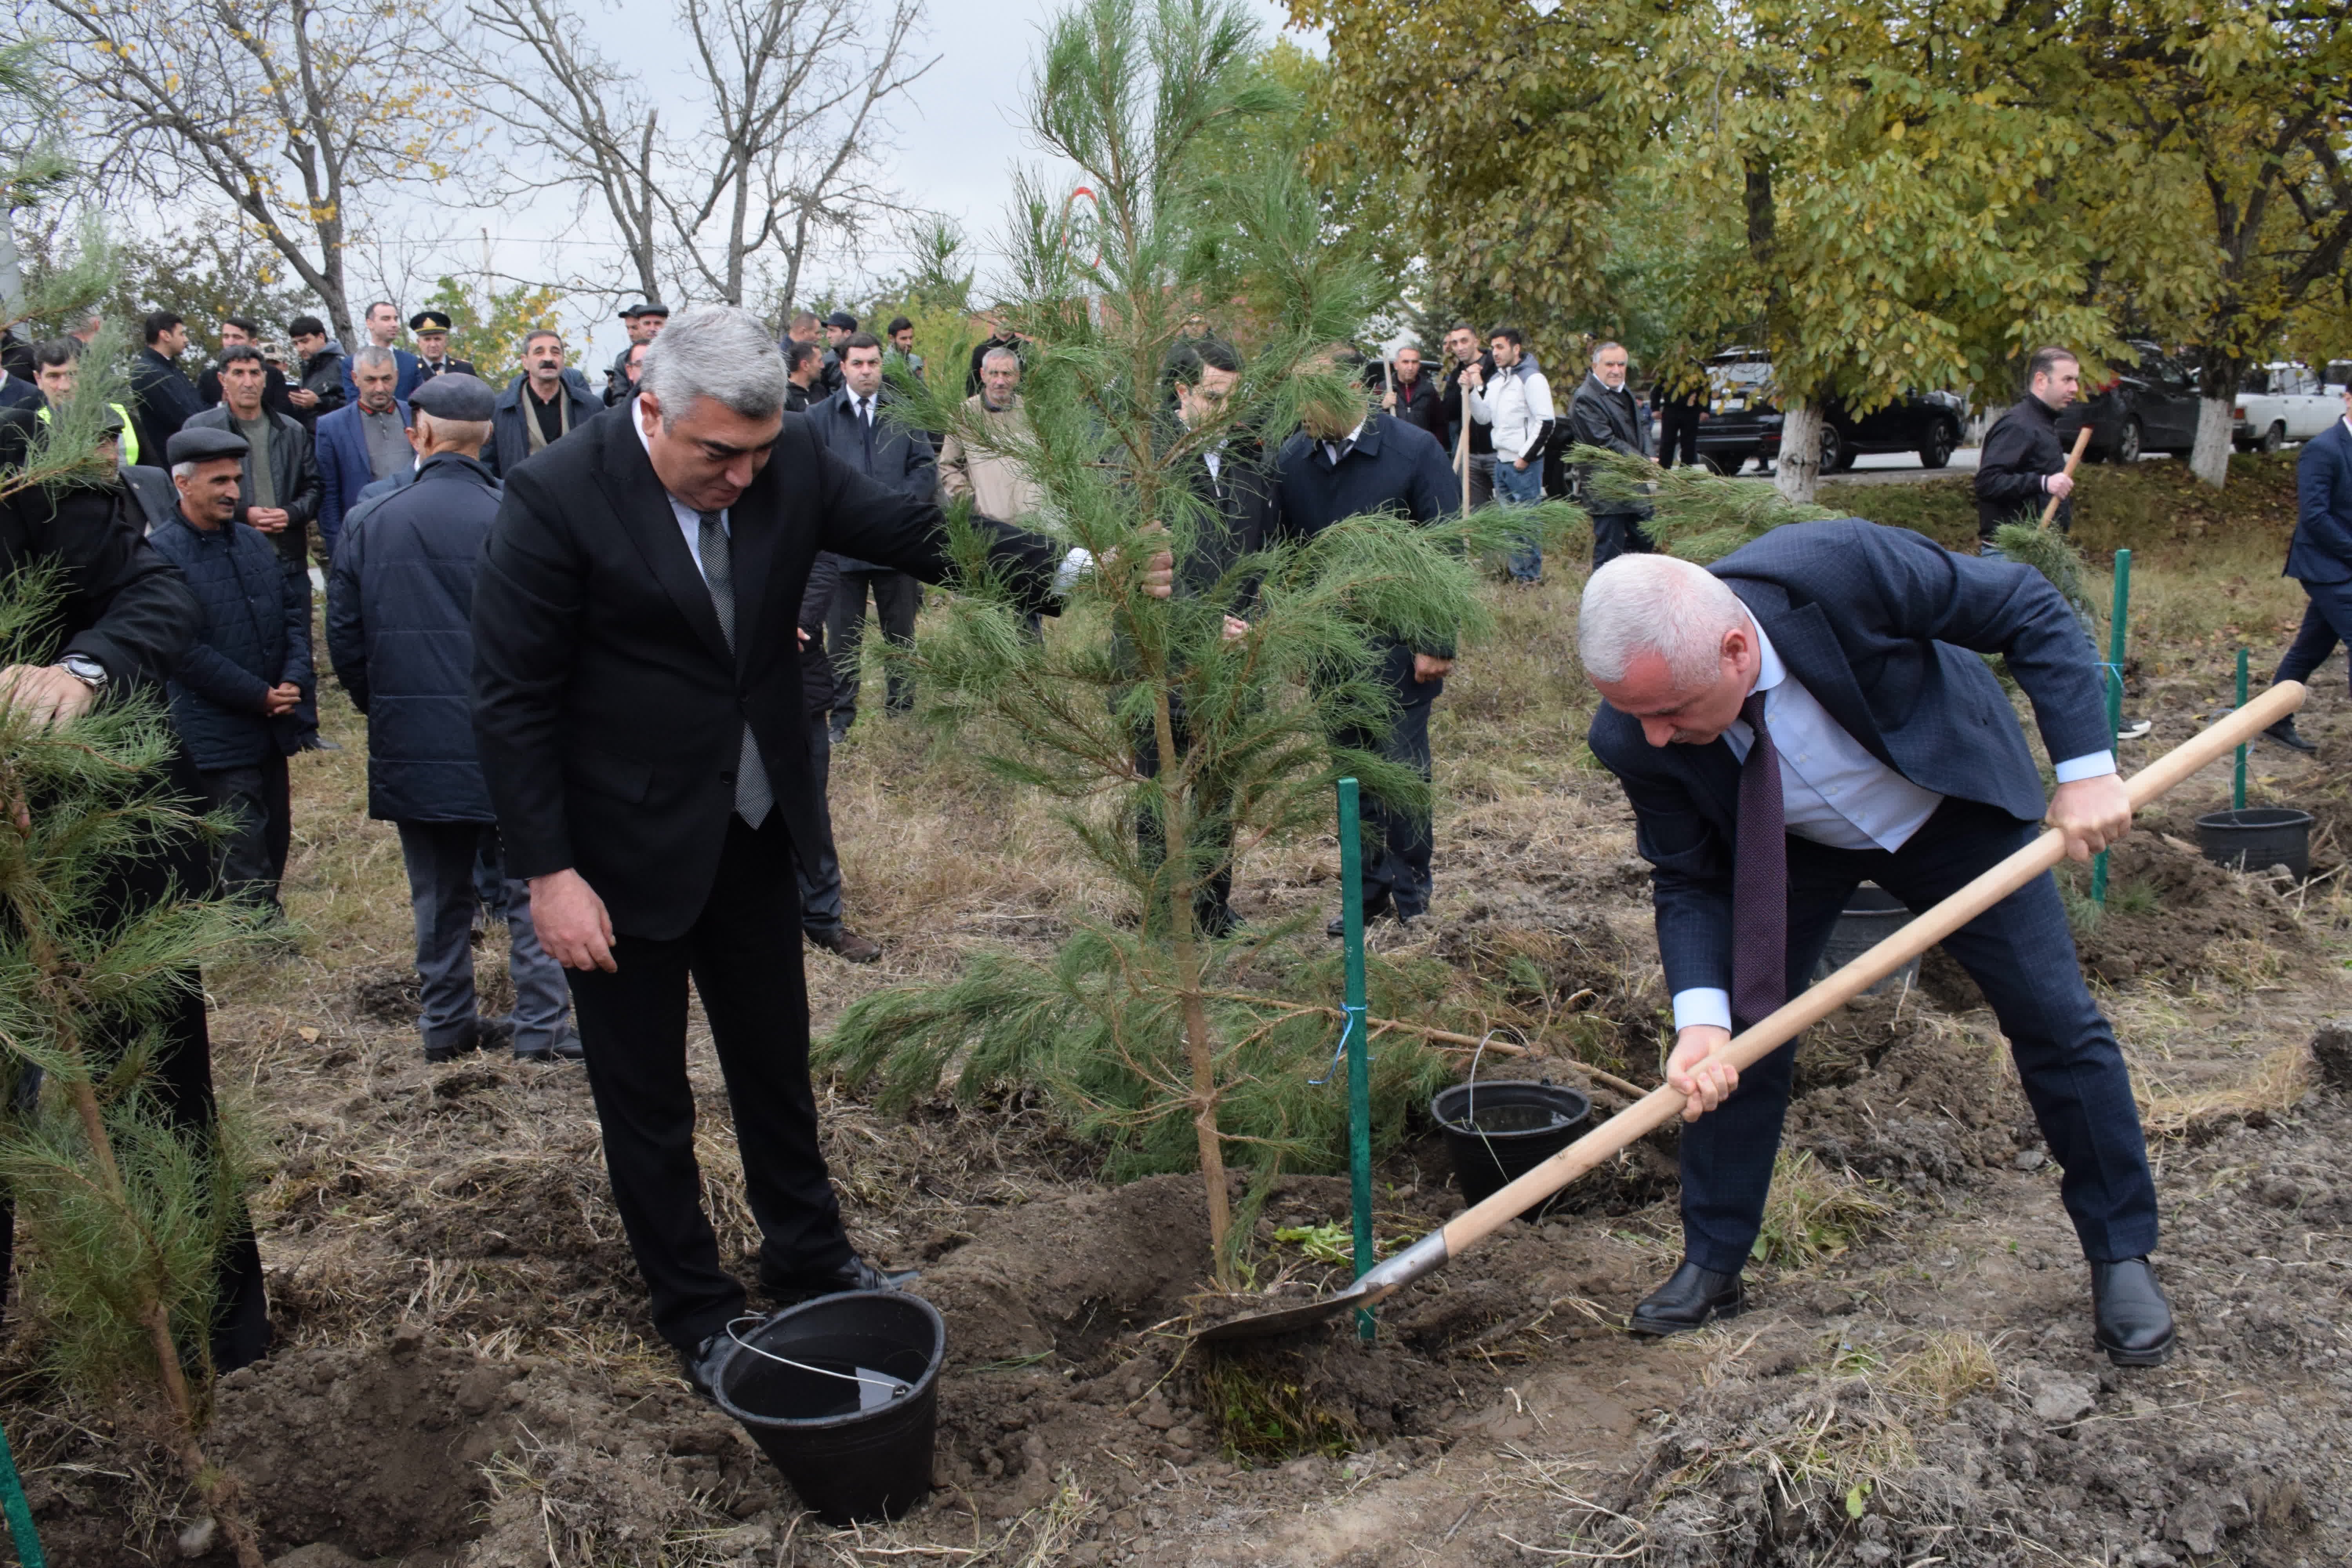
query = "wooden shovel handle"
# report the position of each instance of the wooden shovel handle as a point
(1662, 1104)
(2074, 460)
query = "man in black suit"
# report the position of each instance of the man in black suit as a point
(639, 705)
(1813, 713)
(855, 422)
(1344, 462)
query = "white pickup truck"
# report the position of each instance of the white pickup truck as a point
(2280, 402)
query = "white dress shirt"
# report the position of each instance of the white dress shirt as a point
(1832, 791)
(1331, 449)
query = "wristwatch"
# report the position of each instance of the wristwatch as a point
(86, 670)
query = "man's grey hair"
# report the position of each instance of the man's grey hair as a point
(1601, 347)
(536, 333)
(185, 471)
(993, 355)
(719, 352)
(373, 353)
(1656, 603)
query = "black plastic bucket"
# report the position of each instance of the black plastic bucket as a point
(852, 1426)
(1498, 1131)
(1871, 915)
(2257, 839)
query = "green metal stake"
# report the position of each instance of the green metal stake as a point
(1359, 1068)
(2237, 780)
(19, 1511)
(2115, 674)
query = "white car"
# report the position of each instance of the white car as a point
(2281, 402)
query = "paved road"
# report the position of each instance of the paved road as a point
(1903, 469)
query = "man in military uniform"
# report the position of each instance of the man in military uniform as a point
(432, 329)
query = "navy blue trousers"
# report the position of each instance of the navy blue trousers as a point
(2326, 621)
(2022, 956)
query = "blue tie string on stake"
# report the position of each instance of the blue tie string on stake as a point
(1352, 1019)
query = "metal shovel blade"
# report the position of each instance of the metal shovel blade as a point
(1427, 1254)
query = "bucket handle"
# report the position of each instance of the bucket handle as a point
(897, 1390)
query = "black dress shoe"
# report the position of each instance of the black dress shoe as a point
(703, 1363)
(2130, 1318)
(2286, 734)
(856, 1275)
(1691, 1298)
(566, 1048)
(315, 742)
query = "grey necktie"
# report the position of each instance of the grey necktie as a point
(753, 798)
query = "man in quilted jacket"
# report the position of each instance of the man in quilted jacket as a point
(235, 691)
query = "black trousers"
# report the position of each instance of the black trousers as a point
(819, 869)
(1616, 534)
(1397, 849)
(252, 860)
(1213, 911)
(2022, 956)
(2326, 621)
(1677, 429)
(896, 597)
(743, 954)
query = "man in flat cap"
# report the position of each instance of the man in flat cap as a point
(644, 322)
(839, 328)
(432, 329)
(235, 691)
(400, 607)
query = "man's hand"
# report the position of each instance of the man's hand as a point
(1520, 464)
(1703, 1082)
(1388, 401)
(571, 922)
(1236, 628)
(48, 693)
(2059, 485)
(2091, 813)
(302, 397)
(1428, 666)
(803, 633)
(1473, 377)
(268, 519)
(1159, 568)
(281, 698)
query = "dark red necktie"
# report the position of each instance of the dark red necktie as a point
(1760, 879)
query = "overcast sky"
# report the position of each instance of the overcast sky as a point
(954, 140)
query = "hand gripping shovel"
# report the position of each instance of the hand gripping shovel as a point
(1662, 1104)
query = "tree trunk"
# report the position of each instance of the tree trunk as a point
(2208, 460)
(1801, 451)
(1199, 1045)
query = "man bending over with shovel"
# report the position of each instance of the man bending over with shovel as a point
(1810, 713)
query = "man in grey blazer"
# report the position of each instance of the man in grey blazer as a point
(1814, 712)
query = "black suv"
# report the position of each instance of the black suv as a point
(1743, 423)
(2147, 407)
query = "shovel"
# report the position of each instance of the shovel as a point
(1662, 1104)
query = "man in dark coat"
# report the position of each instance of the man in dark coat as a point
(640, 706)
(802, 362)
(1605, 414)
(1232, 479)
(539, 409)
(281, 496)
(433, 355)
(999, 336)
(1412, 394)
(643, 323)
(2320, 558)
(318, 376)
(853, 423)
(1329, 472)
(400, 607)
(235, 691)
(162, 398)
(1812, 712)
(2023, 462)
(124, 620)
(1464, 349)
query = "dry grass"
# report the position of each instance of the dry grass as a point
(1813, 1214)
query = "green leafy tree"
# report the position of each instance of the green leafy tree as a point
(1161, 1032)
(488, 329)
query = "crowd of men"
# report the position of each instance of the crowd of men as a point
(547, 602)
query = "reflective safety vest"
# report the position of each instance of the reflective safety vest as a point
(130, 438)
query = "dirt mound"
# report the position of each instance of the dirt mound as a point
(2172, 914)
(1932, 1106)
(383, 993)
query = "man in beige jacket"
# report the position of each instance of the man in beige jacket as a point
(999, 485)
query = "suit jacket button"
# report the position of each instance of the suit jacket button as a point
(726, 778)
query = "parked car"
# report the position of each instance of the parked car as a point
(1743, 422)
(2281, 402)
(2149, 407)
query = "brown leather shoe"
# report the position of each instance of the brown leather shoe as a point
(846, 944)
